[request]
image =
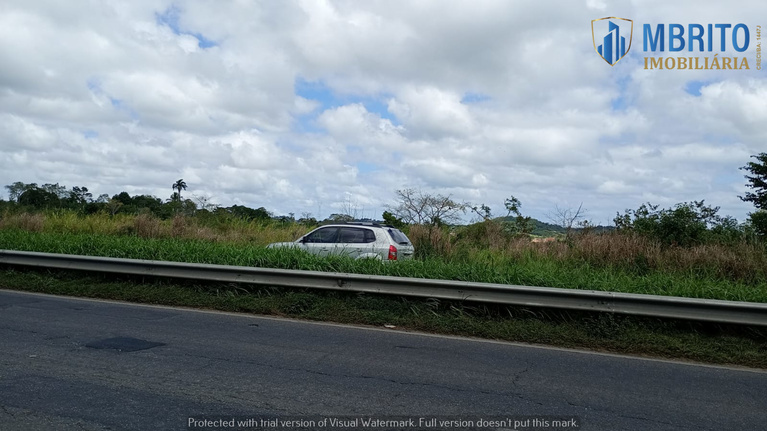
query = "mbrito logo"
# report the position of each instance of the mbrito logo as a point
(609, 38)
(691, 48)
(675, 46)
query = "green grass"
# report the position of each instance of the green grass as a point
(480, 266)
(595, 331)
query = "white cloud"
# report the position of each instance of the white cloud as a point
(480, 99)
(431, 112)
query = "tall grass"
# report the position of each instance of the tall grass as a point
(745, 262)
(235, 230)
(482, 252)
(489, 266)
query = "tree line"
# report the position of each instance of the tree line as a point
(34, 198)
(686, 223)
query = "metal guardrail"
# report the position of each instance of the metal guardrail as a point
(748, 313)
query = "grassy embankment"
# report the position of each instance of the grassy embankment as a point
(611, 262)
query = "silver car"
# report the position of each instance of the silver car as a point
(359, 240)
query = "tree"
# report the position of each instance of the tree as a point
(339, 218)
(307, 219)
(391, 219)
(113, 205)
(16, 189)
(136, 204)
(204, 203)
(124, 198)
(79, 197)
(56, 189)
(516, 225)
(350, 208)
(567, 218)
(758, 221)
(520, 225)
(416, 207)
(179, 185)
(38, 198)
(493, 232)
(758, 182)
(249, 214)
(290, 218)
(483, 211)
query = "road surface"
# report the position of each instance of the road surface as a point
(69, 363)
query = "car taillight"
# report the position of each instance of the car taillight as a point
(392, 252)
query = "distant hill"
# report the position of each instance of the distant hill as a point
(547, 229)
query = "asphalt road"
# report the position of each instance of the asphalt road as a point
(91, 365)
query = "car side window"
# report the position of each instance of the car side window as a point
(356, 235)
(324, 235)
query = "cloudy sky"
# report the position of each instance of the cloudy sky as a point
(318, 106)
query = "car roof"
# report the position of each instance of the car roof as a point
(359, 223)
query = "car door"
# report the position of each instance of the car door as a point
(321, 241)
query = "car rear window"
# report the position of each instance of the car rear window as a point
(398, 236)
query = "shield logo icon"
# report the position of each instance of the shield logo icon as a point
(607, 38)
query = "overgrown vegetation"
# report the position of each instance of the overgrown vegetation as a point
(686, 245)
(687, 250)
(627, 263)
(687, 224)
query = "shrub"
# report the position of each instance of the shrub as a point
(146, 226)
(687, 224)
